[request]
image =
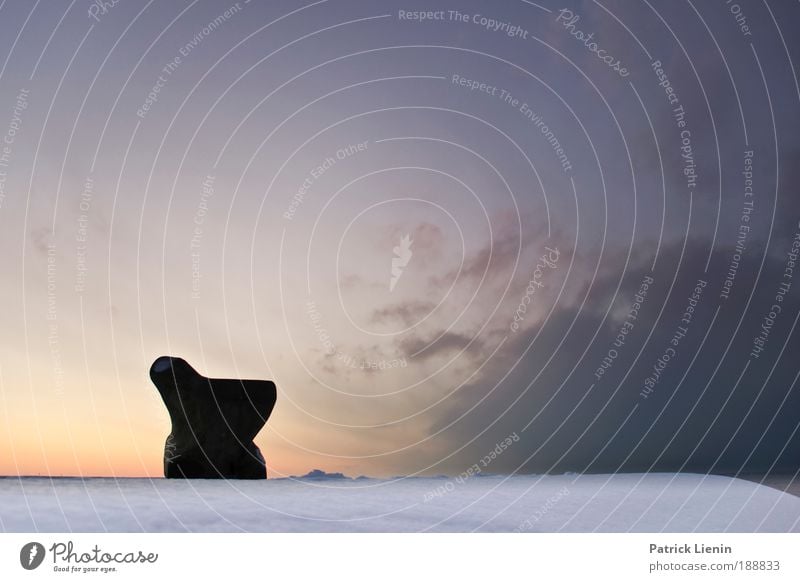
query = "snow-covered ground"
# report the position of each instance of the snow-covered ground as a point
(572, 503)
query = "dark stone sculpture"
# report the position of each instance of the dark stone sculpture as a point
(214, 422)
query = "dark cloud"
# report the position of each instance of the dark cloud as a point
(41, 238)
(408, 313)
(497, 256)
(699, 417)
(440, 343)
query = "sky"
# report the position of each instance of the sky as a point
(532, 237)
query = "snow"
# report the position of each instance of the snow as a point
(570, 503)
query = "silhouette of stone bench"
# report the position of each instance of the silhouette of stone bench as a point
(214, 422)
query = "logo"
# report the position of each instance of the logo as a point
(100, 8)
(400, 260)
(31, 555)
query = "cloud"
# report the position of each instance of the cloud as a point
(706, 419)
(409, 312)
(497, 256)
(440, 343)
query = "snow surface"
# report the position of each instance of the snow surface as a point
(320, 502)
